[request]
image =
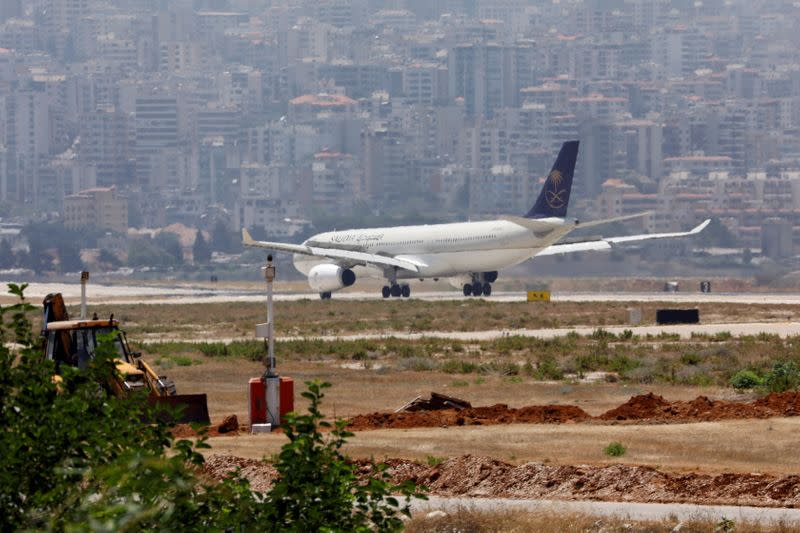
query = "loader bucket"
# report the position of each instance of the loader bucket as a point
(181, 408)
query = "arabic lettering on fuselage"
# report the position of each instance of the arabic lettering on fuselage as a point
(356, 237)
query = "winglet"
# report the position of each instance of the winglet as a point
(700, 227)
(247, 240)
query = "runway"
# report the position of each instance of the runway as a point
(197, 294)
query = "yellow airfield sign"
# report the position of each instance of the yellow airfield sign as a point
(538, 296)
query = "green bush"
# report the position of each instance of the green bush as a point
(746, 379)
(548, 369)
(691, 359)
(457, 366)
(602, 334)
(76, 458)
(784, 376)
(317, 488)
(615, 449)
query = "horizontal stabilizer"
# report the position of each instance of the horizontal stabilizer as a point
(607, 243)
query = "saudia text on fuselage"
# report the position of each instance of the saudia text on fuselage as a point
(341, 238)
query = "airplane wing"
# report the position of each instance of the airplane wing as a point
(607, 243)
(349, 256)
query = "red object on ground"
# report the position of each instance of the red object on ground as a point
(258, 401)
(286, 396)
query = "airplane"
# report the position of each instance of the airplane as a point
(467, 254)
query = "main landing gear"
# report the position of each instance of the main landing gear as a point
(477, 289)
(325, 296)
(396, 291)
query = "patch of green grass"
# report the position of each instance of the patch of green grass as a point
(459, 383)
(615, 449)
(182, 360)
(433, 460)
(458, 366)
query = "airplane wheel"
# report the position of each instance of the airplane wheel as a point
(405, 290)
(487, 289)
(325, 295)
(386, 291)
(396, 291)
(477, 289)
(467, 290)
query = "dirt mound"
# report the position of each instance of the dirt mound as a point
(259, 473)
(638, 407)
(653, 408)
(783, 404)
(229, 427)
(475, 416)
(487, 477)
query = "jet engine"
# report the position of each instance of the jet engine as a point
(328, 277)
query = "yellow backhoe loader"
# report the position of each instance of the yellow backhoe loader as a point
(73, 343)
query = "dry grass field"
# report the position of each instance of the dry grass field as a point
(309, 318)
(518, 521)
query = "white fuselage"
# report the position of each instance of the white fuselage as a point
(440, 250)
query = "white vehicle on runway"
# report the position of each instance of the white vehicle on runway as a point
(468, 254)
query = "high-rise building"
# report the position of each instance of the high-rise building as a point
(479, 75)
(107, 141)
(156, 127)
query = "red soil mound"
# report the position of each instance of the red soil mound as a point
(653, 408)
(495, 414)
(649, 408)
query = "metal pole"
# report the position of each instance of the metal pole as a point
(84, 280)
(271, 377)
(269, 274)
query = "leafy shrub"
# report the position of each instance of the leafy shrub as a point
(626, 335)
(317, 488)
(458, 366)
(622, 364)
(548, 369)
(691, 359)
(602, 334)
(783, 376)
(722, 336)
(746, 379)
(615, 449)
(75, 458)
(419, 364)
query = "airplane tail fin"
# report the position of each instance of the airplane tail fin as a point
(554, 198)
(247, 239)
